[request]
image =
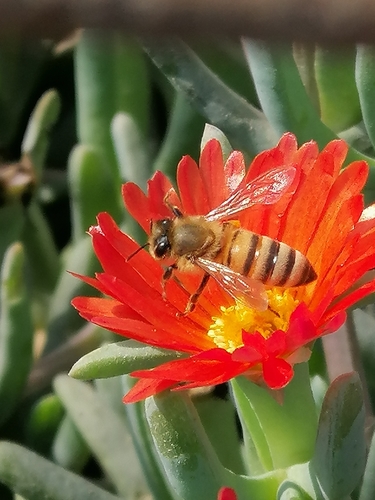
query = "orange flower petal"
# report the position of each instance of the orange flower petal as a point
(212, 171)
(193, 192)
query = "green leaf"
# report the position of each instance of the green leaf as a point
(218, 417)
(92, 189)
(365, 79)
(300, 482)
(340, 452)
(111, 76)
(319, 388)
(279, 435)
(147, 454)
(36, 478)
(12, 219)
(304, 56)
(284, 99)
(63, 319)
(120, 358)
(16, 331)
(189, 460)
(42, 256)
(21, 64)
(104, 432)
(212, 132)
(42, 423)
(358, 138)
(132, 154)
(244, 125)
(368, 482)
(226, 59)
(281, 92)
(364, 322)
(69, 448)
(111, 391)
(338, 95)
(185, 128)
(36, 139)
(292, 491)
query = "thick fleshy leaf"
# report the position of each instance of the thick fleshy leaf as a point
(34, 477)
(242, 123)
(129, 142)
(199, 474)
(368, 483)
(92, 189)
(102, 429)
(22, 63)
(338, 94)
(140, 431)
(63, 319)
(16, 331)
(191, 465)
(364, 322)
(12, 218)
(212, 132)
(283, 96)
(119, 358)
(69, 448)
(219, 418)
(281, 92)
(365, 78)
(42, 119)
(41, 250)
(111, 76)
(185, 128)
(43, 422)
(340, 451)
(292, 491)
(280, 436)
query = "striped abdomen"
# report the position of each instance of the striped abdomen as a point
(264, 259)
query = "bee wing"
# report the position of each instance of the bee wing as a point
(242, 288)
(265, 189)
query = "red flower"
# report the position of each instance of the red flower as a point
(321, 215)
(226, 493)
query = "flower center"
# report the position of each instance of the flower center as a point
(226, 329)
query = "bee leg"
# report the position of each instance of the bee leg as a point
(175, 210)
(168, 271)
(274, 312)
(190, 306)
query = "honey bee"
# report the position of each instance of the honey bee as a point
(241, 261)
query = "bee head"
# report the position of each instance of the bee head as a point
(160, 245)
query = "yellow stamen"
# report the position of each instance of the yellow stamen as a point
(226, 329)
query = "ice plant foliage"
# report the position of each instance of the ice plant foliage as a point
(322, 215)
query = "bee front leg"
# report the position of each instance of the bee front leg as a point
(168, 272)
(190, 306)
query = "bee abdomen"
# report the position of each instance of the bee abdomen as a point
(277, 264)
(291, 268)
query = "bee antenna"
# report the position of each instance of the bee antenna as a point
(136, 251)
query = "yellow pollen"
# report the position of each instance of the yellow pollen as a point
(226, 329)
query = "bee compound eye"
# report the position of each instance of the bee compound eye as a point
(162, 247)
(165, 223)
